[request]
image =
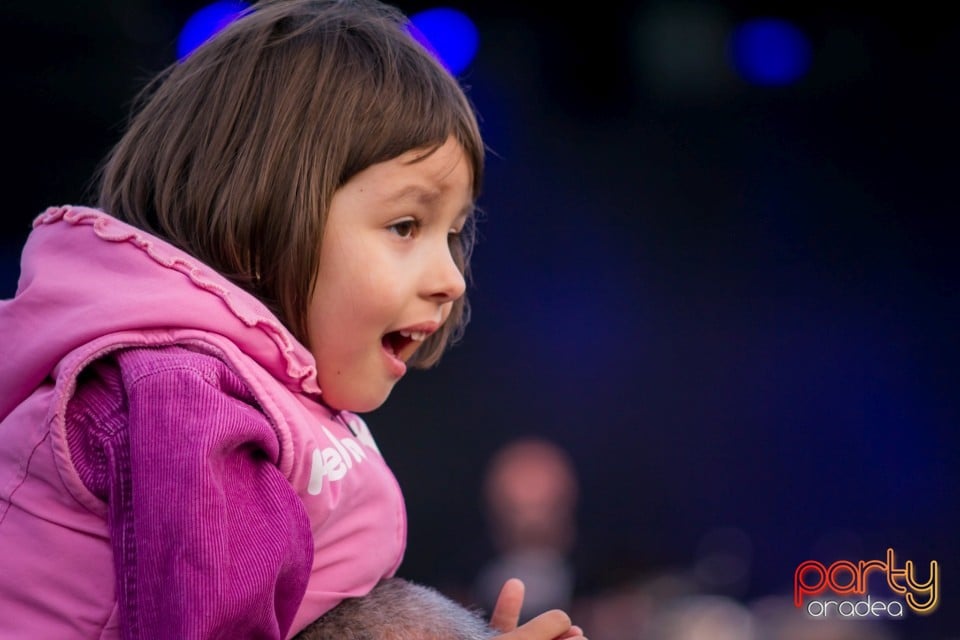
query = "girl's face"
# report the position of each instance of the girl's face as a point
(387, 278)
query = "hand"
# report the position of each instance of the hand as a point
(552, 625)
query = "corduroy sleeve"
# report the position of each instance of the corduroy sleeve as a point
(210, 540)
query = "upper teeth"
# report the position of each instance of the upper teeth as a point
(414, 335)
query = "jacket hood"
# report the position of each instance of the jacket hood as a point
(85, 274)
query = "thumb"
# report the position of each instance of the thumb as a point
(506, 613)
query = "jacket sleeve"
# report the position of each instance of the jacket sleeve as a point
(209, 538)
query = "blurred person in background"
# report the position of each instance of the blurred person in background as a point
(530, 493)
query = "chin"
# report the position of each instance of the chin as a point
(343, 400)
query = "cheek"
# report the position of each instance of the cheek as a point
(374, 287)
(316, 334)
(357, 292)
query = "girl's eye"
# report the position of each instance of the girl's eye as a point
(405, 228)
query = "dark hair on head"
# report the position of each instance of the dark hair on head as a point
(234, 153)
(398, 609)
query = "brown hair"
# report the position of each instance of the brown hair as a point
(235, 152)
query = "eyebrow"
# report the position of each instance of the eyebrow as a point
(416, 191)
(428, 196)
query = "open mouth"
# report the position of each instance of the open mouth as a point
(402, 344)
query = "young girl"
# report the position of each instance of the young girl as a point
(282, 231)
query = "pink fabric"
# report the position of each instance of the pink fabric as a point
(197, 443)
(201, 523)
(127, 293)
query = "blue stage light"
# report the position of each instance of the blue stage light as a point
(770, 51)
(449, 33)
(206, 22)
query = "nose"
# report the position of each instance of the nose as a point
(444, 281)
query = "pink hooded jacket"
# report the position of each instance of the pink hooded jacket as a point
(294, 499)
